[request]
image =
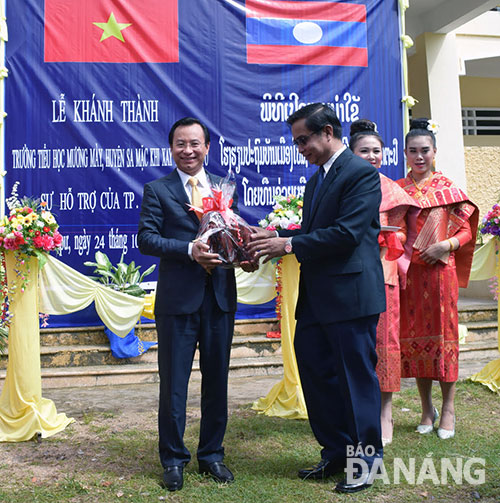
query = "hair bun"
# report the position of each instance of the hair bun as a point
(420, 123)
(362, 125)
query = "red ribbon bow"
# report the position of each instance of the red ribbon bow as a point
(219, 204)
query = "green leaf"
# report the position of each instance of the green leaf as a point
(121, 272)
(133, 279)
(134, 290)
(147, 272)
(102, 259)
(41, 256)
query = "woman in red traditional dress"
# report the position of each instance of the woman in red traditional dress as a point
(367, 143)
(438, 254)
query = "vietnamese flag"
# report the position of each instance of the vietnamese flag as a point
(111, 31)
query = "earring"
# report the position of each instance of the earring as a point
(434, 163)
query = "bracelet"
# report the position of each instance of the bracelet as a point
(452, 246)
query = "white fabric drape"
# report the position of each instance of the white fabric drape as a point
(256, 287)
(64, 290)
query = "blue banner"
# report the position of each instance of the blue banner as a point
(94, 87)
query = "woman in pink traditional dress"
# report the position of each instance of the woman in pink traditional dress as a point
(367, 143)
(438, 252)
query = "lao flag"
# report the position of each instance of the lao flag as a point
(111, 31)
(306, 33)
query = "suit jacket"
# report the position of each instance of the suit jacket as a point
(337, 246)
(166, 228)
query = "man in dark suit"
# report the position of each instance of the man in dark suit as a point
(341, 294)
(195, 306)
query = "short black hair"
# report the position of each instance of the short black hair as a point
(188, 121)
(317, 116)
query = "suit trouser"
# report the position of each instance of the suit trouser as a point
(178, 336)
(337, 370)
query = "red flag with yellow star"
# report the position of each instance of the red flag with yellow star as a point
(111, 31)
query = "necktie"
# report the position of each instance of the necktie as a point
(321, 177)
(196, 199)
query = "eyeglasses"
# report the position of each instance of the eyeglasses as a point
(301, 141)
(195, 145)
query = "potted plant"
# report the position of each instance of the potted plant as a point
(127, 279)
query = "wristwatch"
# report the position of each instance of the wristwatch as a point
(288, 246)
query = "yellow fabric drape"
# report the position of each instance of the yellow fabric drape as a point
(64, 290)
(286, 398)
(484, 266)
(23, 411)
(484, 262)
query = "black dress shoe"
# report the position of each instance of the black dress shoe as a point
(359, 482)
(172, 477)
(324, 469)
(218, 471)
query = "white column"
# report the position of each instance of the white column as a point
(445, 104)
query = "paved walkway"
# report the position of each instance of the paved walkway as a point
(143, 397)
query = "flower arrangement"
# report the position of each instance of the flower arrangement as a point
(286, 214)
(29, 230)
(491, 222)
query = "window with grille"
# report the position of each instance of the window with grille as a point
(481, 121)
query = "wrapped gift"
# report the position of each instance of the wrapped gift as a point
(225, 232)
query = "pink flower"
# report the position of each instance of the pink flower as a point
(270, 228)
(46, 242)
(57, 238)
(19, 238)
(293, 226)
(10, 244)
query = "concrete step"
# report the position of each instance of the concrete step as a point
(80, 355)
(481, 348)
(146, 331)
(147, 372)
(481, 331)
(471, 310)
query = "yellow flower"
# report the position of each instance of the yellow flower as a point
(29, 219)
(48, 217)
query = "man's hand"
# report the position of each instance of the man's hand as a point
(207, 260)
(269, 247)
(434, 252)
(260, 233)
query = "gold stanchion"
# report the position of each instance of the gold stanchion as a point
(490, 374)
(286, 398)
(23, 411)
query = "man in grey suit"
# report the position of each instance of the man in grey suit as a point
(341, 293)
(195, 306)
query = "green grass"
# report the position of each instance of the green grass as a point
(264, 453)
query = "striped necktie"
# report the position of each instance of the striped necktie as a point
(196, 199)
